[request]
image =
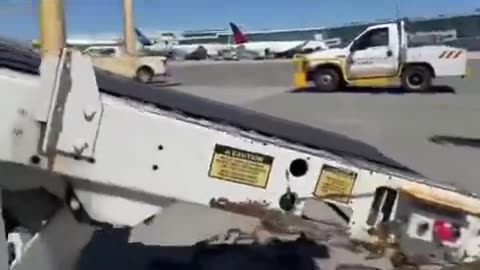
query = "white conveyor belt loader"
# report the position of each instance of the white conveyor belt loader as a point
(122, 152)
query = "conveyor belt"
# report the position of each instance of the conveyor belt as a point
(26, 60)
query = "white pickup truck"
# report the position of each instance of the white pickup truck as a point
(381, 57)
(114, 59)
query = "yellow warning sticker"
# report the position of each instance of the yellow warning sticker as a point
(335, 184)
(240, 166)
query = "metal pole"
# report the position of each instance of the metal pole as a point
(129, 33)
(52, 26)
(397, 10)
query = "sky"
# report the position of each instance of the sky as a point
(103, 18)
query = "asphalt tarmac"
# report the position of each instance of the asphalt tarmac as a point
(266, 74)
(399, 124)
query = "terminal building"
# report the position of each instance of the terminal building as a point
(459, 30)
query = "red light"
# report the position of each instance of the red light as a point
(445, 231)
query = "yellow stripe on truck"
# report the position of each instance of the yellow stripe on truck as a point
(300, 72)
(374, 82)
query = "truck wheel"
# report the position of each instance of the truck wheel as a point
(416, 78)
(144, 74)
(326, 79)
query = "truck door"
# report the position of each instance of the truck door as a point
(374, 54)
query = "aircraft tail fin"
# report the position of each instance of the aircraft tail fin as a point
(238, 36)
(142, 38)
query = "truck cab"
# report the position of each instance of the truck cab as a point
(380, 57)
(114, 59)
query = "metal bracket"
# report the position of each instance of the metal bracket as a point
(49, 70)
(75, 111)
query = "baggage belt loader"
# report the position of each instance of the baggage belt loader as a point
(124, 151)
(380, 56)
(120, 149)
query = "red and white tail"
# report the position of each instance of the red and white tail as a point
(238, 36)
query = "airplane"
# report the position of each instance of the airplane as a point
(144, 45)
(172, 46)
(82, 44)
(273, 48)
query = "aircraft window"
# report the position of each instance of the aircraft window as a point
(91, 51)
(101, 52)
(373, 38)
(107, 52)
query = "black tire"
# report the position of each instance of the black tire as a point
(326, 79)
(416, 79)
(144, 74)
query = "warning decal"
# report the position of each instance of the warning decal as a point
(335, 184)
(240, 166)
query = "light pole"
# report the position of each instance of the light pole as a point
(52, 26)
(129, 33)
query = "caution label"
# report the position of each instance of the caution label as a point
(335, 184)
(240, 166)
